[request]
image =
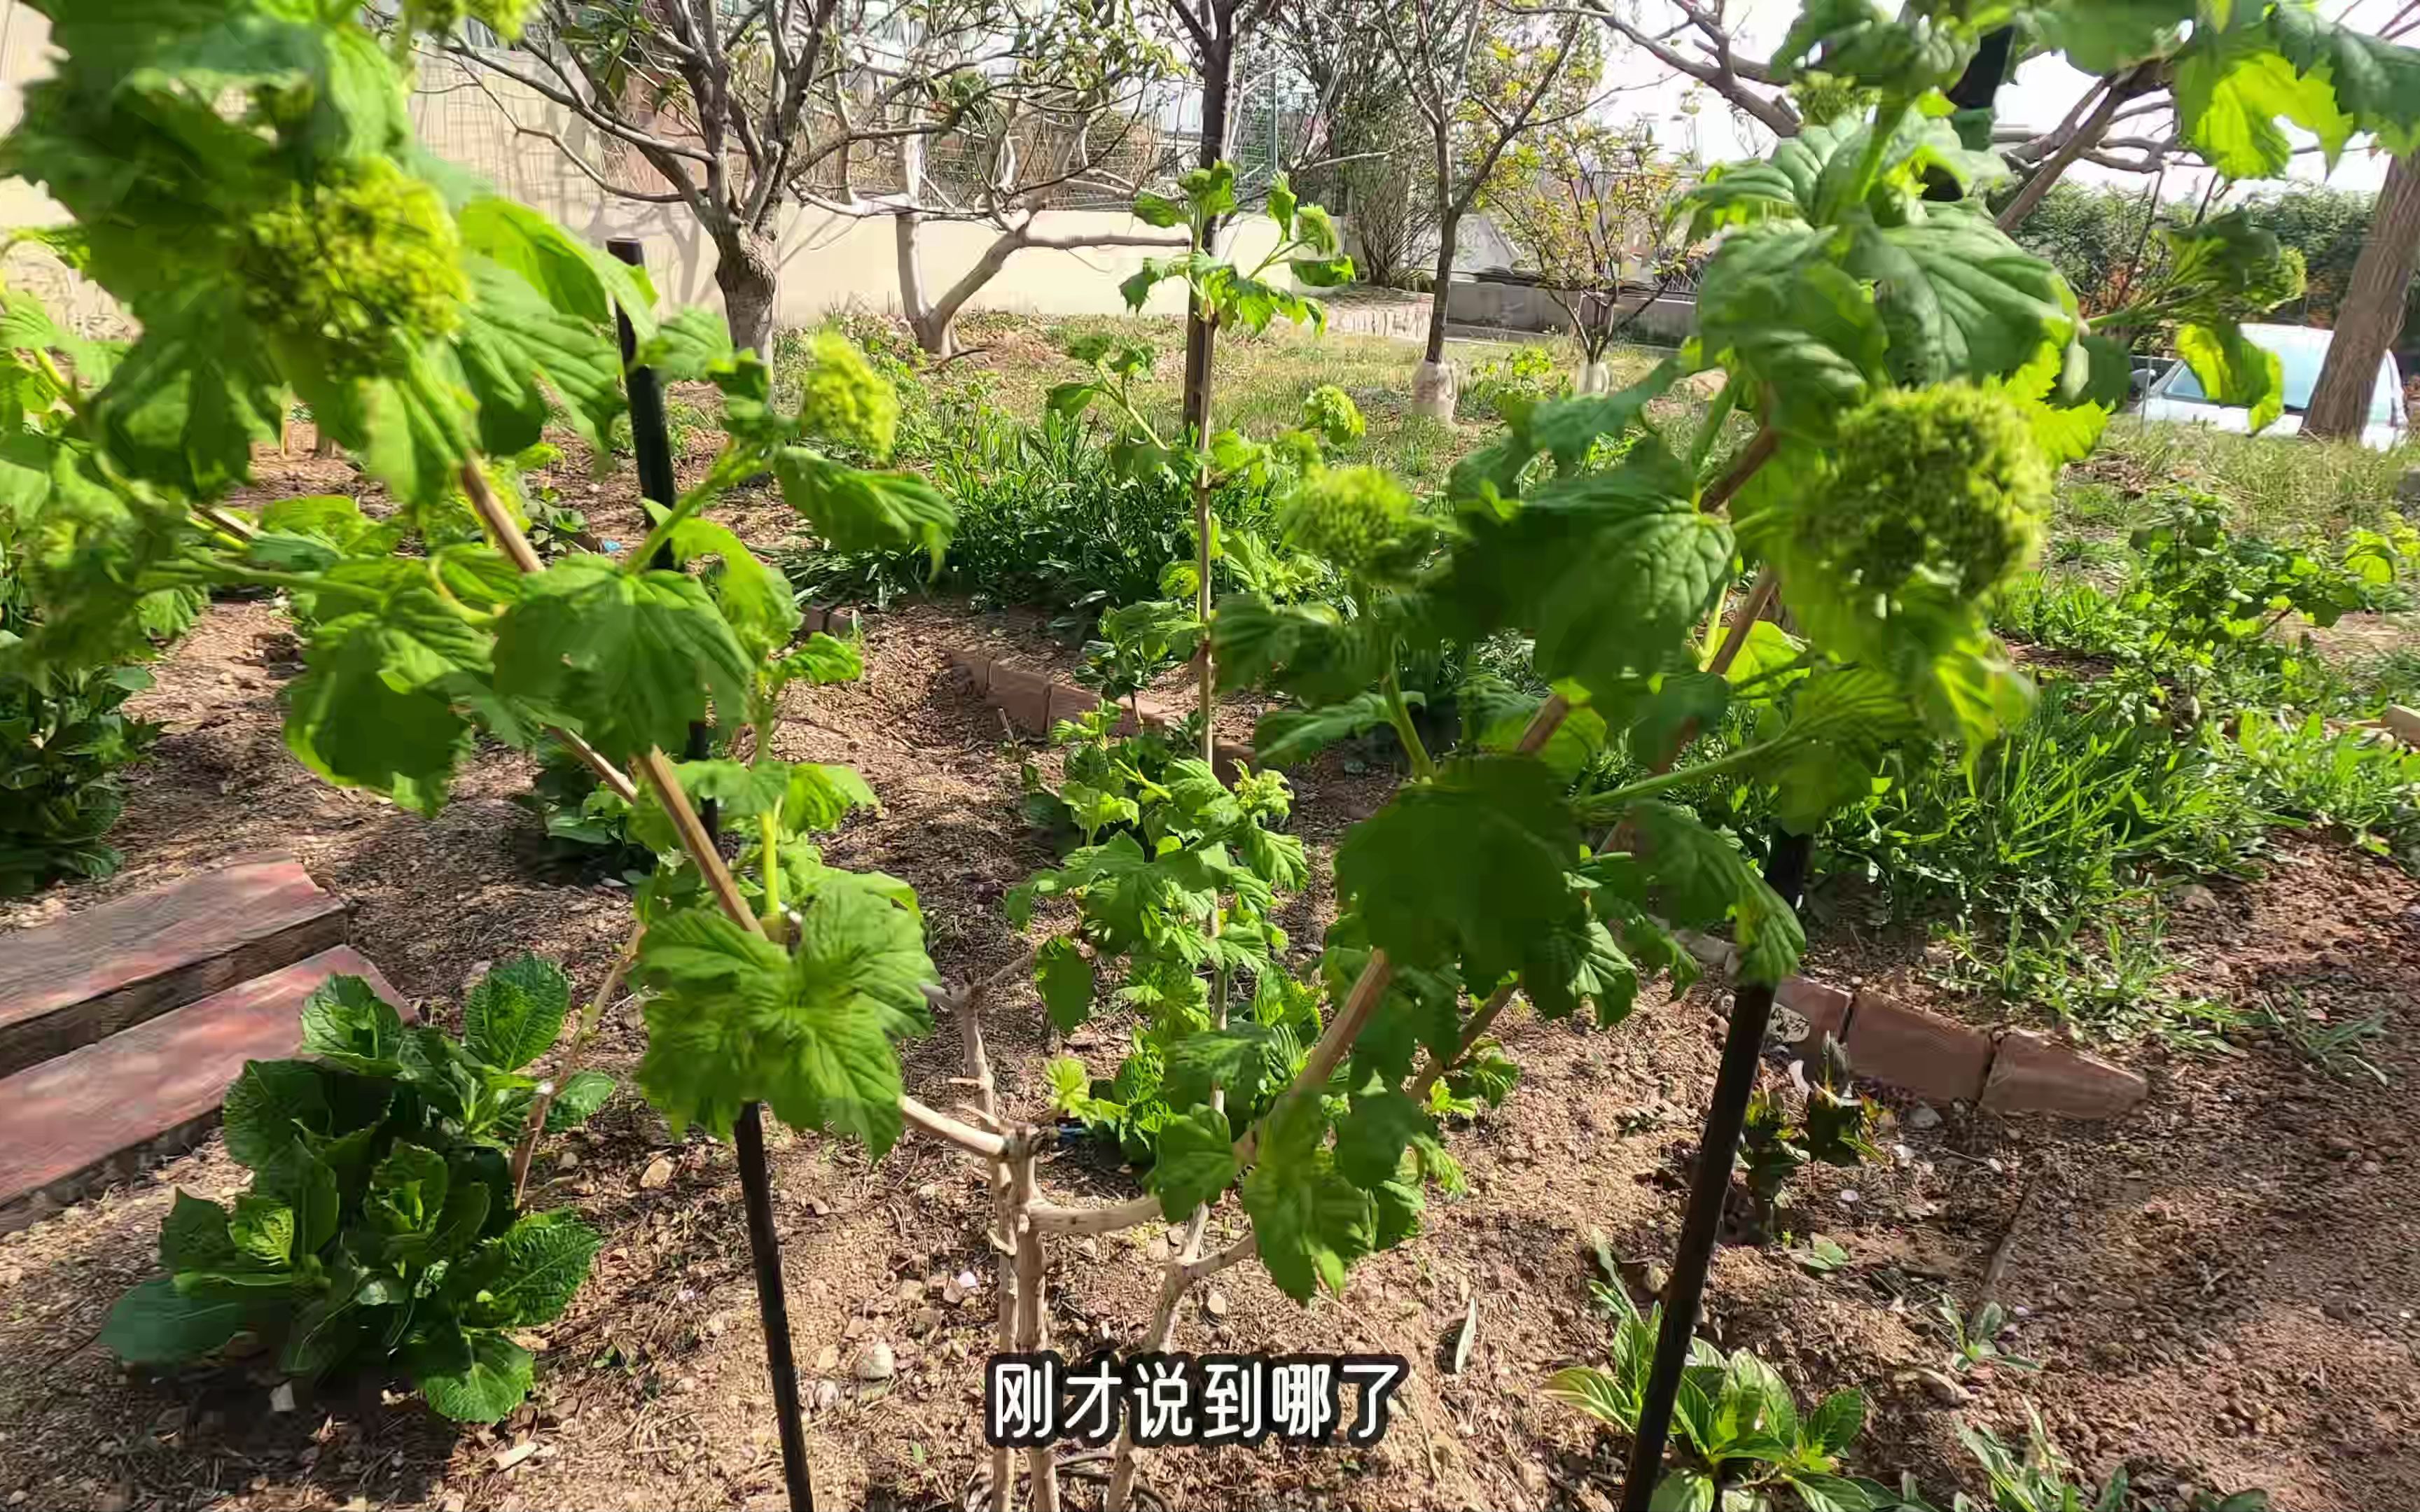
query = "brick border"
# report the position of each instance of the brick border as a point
(2005, 1070)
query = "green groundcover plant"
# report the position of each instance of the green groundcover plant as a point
(383, 1227)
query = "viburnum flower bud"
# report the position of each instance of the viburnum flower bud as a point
(362, 264)
(1946, 480)
(845, 399)
(1330, 411)
(1345, 516)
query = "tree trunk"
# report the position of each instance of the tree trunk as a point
(1449, 228)
(746, 270)
(935, 330)
(2372, 310)
(1217, 74)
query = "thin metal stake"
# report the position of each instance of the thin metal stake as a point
(1701, 1228)
(652, 446)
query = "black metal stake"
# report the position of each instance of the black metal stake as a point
(652, 446)
(1701, 1228)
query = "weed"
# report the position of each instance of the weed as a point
(1974, 1339)
(2332, 1047)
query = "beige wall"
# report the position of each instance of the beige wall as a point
(828, 261)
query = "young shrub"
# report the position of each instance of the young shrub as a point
(381, 1230)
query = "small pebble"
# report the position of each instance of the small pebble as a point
(876, 1363)
(658, 1173)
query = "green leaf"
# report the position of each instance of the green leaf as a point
(1959, 299)
(408, 1191)
(1682, 1490)
(754, 599)
(633, 658)
(1312, 1223)
(187, 403)
(855, 510)
(568, 273)
(515, 1012)
(1400, 1205)
(738, 1020)
(1321, 272)
(819, 797)
(2234, 369)
(1545, 570)
(376, 704)
(1580, 962)
(346, 1021)
(576, 1100)
(297, 1177)
(262, 1228)
(2375, 82)
(690, 345)
(1834, 1424)
(525, 1275)
(1468, 866)
(2107, 36)
(1193, 1161)
(1159, 209)
(194, 1237)
(510, 338)
(1372, 1135)
(1285, 736)
(1702, 880)
(1597, 1393)
(1233, 1057)
(157, 1325)
(2233, 90)
(1775, 306)
(469, 1377)
(269, 1107)
(1063, 975)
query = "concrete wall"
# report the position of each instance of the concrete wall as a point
(827, 261)
(1518, 306)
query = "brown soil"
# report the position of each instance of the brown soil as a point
(2219, 1288)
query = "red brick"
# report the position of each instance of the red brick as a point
(91, 974)
(1069, 702)
(1023, 696)
(77, 1119)
(1934, 1058)
(811, 619)
(2038, 1073)
(842, 621)
(974, 664)
(1823, 1007)
(1226, 756)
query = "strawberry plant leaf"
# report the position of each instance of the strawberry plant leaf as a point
(1469, 868)
(633, 659)
(1193, 1161)
(514, 1014)
(737, 1020)
(1064, 979)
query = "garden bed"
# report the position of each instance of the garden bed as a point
(2219, 1286)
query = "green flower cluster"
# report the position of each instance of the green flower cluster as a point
(1345, 516)
(1944, 481)
(1329, 412)
(364, 265)
(845, 399)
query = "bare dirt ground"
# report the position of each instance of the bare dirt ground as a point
(2219, 1288)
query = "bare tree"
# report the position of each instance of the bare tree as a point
(1588, 205)
(1074, 119)
(729, 110)
(2373, 308)
(1481, 77)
